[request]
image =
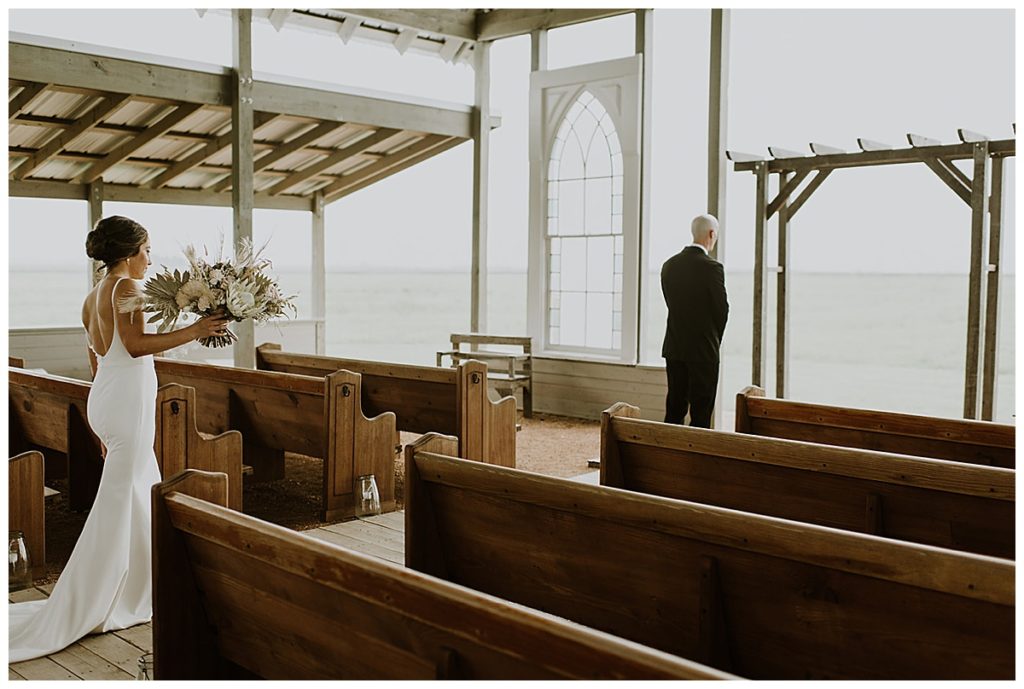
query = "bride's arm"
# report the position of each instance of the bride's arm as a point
(140, 343)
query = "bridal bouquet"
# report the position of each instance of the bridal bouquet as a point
(240, 288)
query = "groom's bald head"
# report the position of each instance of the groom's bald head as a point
(704, 229)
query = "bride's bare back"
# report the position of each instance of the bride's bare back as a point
(98, 312)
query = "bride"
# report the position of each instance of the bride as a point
(106, 584)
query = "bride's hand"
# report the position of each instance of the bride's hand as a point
(211, 326)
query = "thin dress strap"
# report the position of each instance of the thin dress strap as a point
(113, 314)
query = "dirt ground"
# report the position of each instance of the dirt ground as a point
(552, 445)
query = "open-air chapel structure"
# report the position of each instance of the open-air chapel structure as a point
(814, 542)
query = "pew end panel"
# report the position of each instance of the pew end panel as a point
(838, 605)
(933, 502)
(742, 409)
(611, 462)
(487, 430)
(26, 507)
(180, 446)
(356, 446)
(422, 547)
(15, 362)
(263, 601)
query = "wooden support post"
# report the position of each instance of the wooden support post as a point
(481, 161)
(783, 300)
(990, 358)
(760, 276)
(718, 92)
(95, 215)
(808, 190)
(318, 271)
(538, 50)
(644, 46)
(979, 230)
(242, 162)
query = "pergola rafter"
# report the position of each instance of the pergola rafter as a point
(986, 226)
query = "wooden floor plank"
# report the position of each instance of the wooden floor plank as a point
(373, 549)
(392, 520)
(12, 675)
(42, 668)
(140, 636)
(26, 595)
(47, 588)
(114, 650)
(85, 664)
(371, 533)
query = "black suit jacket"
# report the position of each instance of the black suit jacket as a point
(694, 287)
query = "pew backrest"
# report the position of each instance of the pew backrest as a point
(424, 399)
(317, 416)
(757, 596)
(235, 597)
(935, 502)
(26, 508)
(958, 440)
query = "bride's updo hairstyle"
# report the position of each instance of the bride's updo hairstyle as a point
(114, 239)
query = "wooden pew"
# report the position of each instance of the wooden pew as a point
(15, 362)
(284, 412)
(48, 413)
(424, 399)
(958, 440)
(930, 501)
(757, 596)
(26, 510)
(235, 597)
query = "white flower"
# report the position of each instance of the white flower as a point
(241, 301)
(204, 303)
(216, 275)
(182, 299)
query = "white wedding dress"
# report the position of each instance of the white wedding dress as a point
(107, 583)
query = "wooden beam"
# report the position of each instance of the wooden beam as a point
(782, 300)
(968, 137)
(392, 163)
(151, 132)
(49, 189)
(979, 230)
(808, 190)
(538, 50)
(786, 191)
(717, 161)
(759, 348)
(481, 187)
(24, 98)
(318, 270)
(1006, 147)
(358, 148)
(450, 49)
(242, 175)
(869, 145)
(347, 29)
(278, 17)
(822, 149)
(115, 75)
(404, 40)
(941, 169)
(208, 150)
(82, 125)
(990, 357)
(404, 163)
(503, 23)
(631, 342)
(777, 152)
(918, 141)
(740, 157)
(95, 215)
(454, 23)
(301, 141)
(357, 109)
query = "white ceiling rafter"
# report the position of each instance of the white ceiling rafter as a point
(278, 17)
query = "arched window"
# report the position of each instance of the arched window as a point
(584, 242)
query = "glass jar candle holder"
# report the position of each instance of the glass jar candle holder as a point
(367, 496)
(19, 572)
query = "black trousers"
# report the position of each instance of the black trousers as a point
(692, 386)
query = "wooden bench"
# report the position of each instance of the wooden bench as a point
(235, 597)
(15, 362)
(930, 501)
(26, 511)
(760, 597)
(958, 440)
(284, 412)
(424, 399)
(48, 413)
(508, 371)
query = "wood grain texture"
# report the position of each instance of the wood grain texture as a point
(959, 440)
(286, 606)
(935, 502)
(26, 511)
(838, 605)
(179, 444)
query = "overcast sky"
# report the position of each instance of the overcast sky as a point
(795, 76)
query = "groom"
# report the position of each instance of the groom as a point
(694, 287)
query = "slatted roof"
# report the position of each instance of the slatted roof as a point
(159, 130)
